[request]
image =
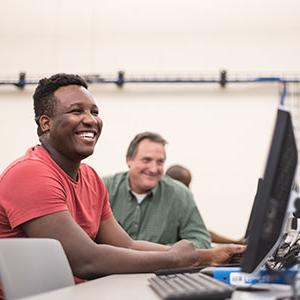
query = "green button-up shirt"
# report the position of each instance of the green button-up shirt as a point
(167, 214)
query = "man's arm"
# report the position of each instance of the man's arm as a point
(217, 238)
(111, 228)
(113, 234)
(91, 260)
(192, 226)
(220, 254)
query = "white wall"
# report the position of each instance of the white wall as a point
(222, 135)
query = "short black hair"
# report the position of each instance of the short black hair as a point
(44, 100)
(147, 135)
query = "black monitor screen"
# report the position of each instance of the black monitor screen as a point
(255, 203)
(269, 213)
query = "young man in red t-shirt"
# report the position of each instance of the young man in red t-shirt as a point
(49, 193)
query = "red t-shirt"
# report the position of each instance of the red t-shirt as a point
(34, 186)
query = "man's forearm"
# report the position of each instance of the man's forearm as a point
(148, 246)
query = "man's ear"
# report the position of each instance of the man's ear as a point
(45, 123)
(128, 161)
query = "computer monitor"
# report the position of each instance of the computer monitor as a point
(269, 214)
(255, 203)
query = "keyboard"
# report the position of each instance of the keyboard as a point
(189, 286)
(236, 259)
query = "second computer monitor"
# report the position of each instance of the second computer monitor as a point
(270, 210)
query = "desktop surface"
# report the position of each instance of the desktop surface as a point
(136, 287)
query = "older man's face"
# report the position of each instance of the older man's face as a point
(147, 167)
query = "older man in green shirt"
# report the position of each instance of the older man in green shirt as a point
(149, 205)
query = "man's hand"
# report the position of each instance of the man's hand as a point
(185, 254)
(222, 254)
(241, 241)
(219, 255)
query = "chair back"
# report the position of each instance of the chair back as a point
(30, 266)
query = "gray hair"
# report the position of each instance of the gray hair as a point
(147, 135)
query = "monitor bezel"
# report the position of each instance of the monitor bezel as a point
(250, 263)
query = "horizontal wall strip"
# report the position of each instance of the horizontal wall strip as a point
(223, 79)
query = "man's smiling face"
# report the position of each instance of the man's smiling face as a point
(75, 127)
(147, 166)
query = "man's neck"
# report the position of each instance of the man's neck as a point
(70, 167)
(139, 197)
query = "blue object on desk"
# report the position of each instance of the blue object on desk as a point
(234, 276)
(282, 277)
(225, 274)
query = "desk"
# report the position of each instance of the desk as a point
(135, 287)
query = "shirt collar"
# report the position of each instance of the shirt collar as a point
(150, 193)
